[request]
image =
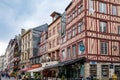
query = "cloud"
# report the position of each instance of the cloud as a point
(2, 47)
(17, 14)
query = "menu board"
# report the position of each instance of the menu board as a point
(105, 71)
(93, 70)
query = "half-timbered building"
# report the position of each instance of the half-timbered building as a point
(92, 44)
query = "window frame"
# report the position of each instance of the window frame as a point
(80, 26)
(63, 55)
(102, 7)
(104, 48)
(69, 34)
(114, 10)
(74, 31)
(74, 50)
(80, 8)
(101, 26)
(69, 52)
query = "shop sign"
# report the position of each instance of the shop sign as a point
(36, 66)
(93, 62)
(82, 48)
(111, 66)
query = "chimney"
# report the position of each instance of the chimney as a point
(22, 31)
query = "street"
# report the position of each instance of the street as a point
(3, 78)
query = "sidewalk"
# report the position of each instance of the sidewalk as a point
(4, 78)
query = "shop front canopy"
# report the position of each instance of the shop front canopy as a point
(26, 69)
(36, 69)
(65, 63)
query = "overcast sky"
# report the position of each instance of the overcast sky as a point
(17, 14)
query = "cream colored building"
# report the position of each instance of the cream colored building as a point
(54, 37)
(29, 44)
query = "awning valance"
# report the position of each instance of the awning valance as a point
(36, 69)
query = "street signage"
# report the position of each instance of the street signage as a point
(82, 48)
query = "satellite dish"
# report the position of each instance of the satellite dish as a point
(91, 11)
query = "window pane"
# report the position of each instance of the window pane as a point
(103, 47)
(80, 26)
(90, 4)
(74, 50)
(74, 31)
(80, 8)
(103, 26)
(114, 12)
(68, 52)
(102, 8)
(63, 54)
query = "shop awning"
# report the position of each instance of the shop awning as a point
(51, 66)
(65, 63)
(36, 69)
(71, 61)
(26, 69)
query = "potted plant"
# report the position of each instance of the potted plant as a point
(63, 77)
(37, 76)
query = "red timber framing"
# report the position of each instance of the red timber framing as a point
(91, 35)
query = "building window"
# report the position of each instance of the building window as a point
(74, 14)
(80, 43)
(117, 70)
(69, 34)
(53, 42)
(103, 26)
(74, 31)
(105, 70)
(118, 29)
(80, 8)
(68, 52)
(93, 70)
(114, 10)
(58, 41)
(80, 26)
(69, 18)
(58, 27)
(104, 47)
(50, 44)
(74, 50)
(90, 4)
(63, 54)
(49, 33)
(53, 30)
(102, 8)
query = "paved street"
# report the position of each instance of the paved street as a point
(3, 78)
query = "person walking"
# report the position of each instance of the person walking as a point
(0, 76)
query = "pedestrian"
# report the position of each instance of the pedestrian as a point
(0, 76)
(91, 77)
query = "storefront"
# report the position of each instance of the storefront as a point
(102, 70)
(72, 69)
(117, 70)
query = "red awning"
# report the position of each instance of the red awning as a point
(26, 69)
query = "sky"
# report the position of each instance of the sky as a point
(18, 14)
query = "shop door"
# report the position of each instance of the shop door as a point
(117, 70)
